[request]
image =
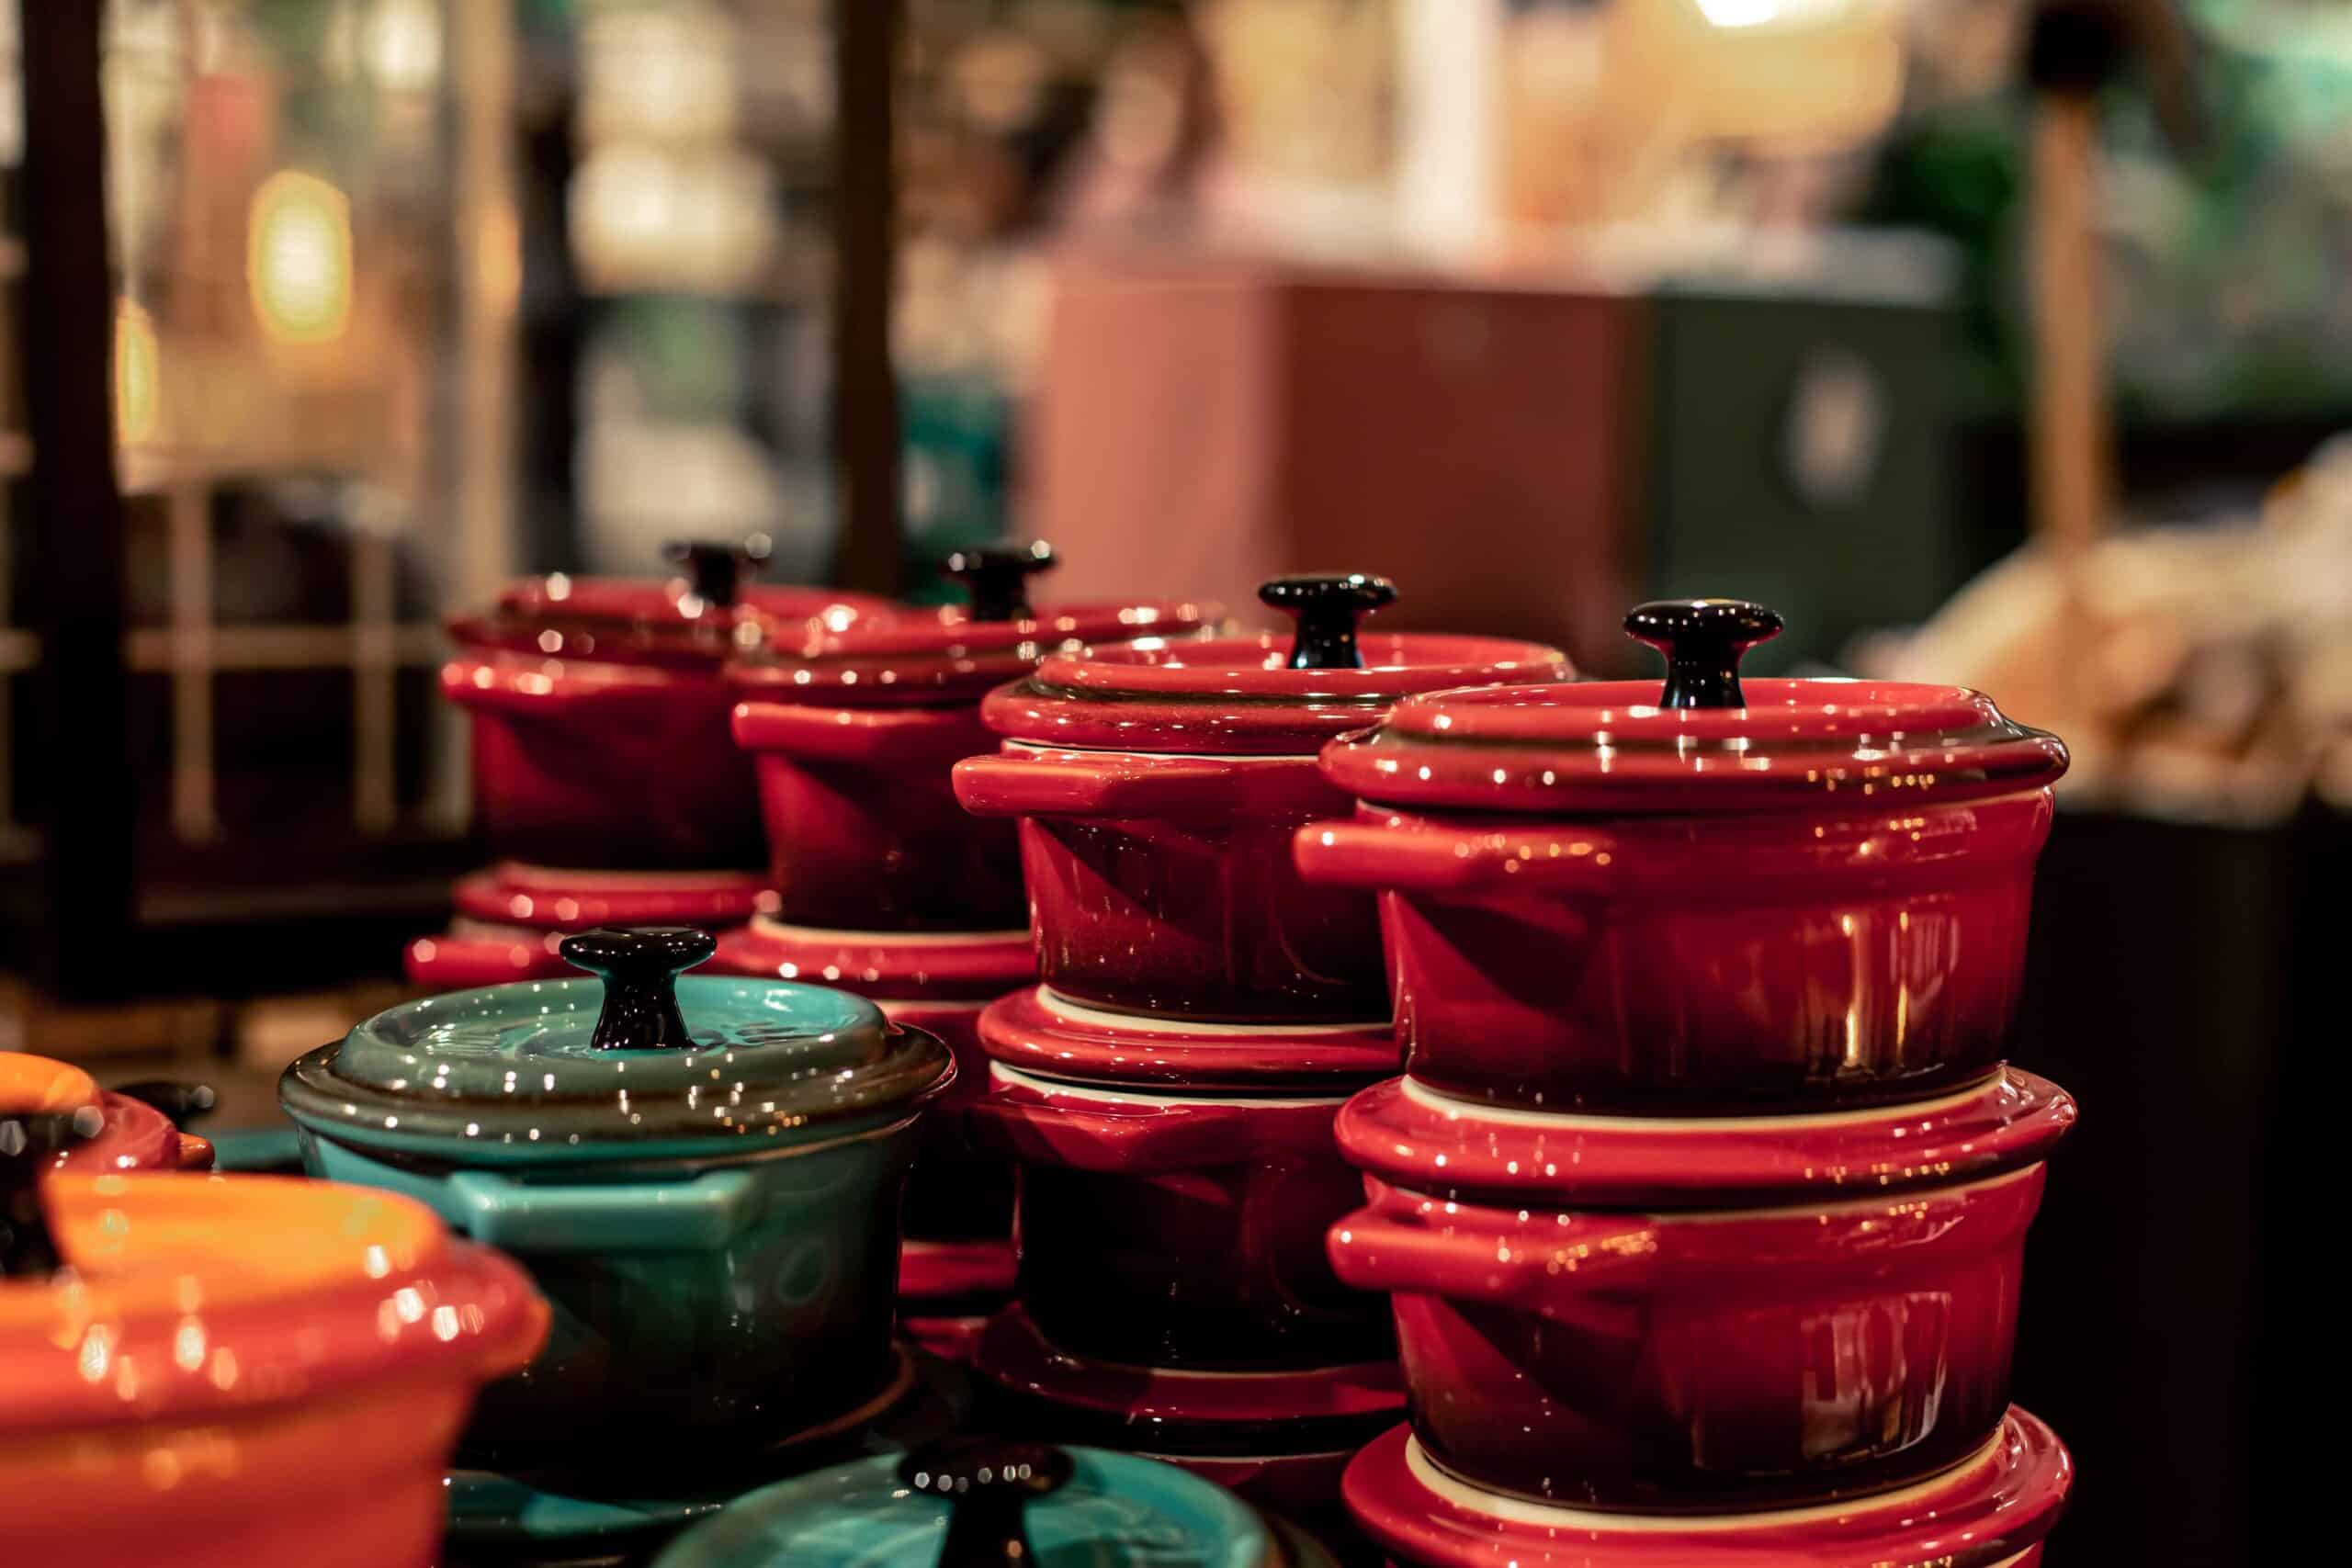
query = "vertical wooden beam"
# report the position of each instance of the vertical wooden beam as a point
(872, 550)
(76, 536)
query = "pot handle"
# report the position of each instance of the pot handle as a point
(1437, 859)
(1153, 1143)
(1111, 785)
(1373, 1252)
(673, 1216)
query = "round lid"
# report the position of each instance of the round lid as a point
(552, 899)
(189, 1299)
(626, 1064)
(1704, 740)
(1038, 1030)
(1266, 694)
(926, 967)
(1982, 1513)
(956, 652)
(980, 1502)
(1410, 1135)
(95, 1130)
(697, 618)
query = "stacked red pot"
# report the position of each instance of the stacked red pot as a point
(1704, 1196)
(1169, 1090)
(881, 885)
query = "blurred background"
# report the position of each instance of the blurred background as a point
(1990, 342)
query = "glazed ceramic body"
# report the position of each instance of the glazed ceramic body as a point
(1171, 1232)
(1165, 885)
(1995, 1509)
(738, 1302)
(1775, 960)
(129, 1135)
(1700, 1314)
(580, 762)
(864, 830)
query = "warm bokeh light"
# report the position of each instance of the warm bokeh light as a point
(138, 374)
(297, 259)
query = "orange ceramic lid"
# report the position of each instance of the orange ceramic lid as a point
(115, 1133)
(198, 1297)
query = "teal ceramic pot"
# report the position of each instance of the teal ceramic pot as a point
(981, 1501)
(703, 1176)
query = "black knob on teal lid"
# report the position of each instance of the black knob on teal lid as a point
(30, 1141)
(990, 1481)
(717, 569)
(639, 966)
(1702, 641)
(1327, 606)
(998, 577)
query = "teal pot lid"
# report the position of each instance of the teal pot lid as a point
(954, 1505)
(636, 1061)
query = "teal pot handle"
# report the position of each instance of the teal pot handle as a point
(597, 1217)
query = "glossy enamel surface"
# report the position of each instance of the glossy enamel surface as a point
(121, 1134)
(172, 1403)
(1177, 1231)
(1819, 1307)
(1114, 1509)
(862, 827)
(511, 916)
(1035, 1030)
(1851, 953)
(1993, 1509)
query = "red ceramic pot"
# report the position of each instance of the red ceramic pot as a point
(1159, 785)
(948, 1290)
(114, 1132)
(1592, 901)
(852, 733)
(510, 917)
(935, 981)
(1993, 1509)
(1700, 1314)
(600, 722)
(1168, 1229)
(1279, 1439)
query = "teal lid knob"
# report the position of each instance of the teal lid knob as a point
(639, 966)
(990, 1481)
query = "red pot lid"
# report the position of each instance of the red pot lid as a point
(1013, 1354)
(1039, 1031)
(1703, 741)
(695, 619)
(551, 899)
(1265, 695)
(1980, 1514)
(193, 1299)
(1412, 1137)
(884, 966)
(952, 653)
(110, 1131)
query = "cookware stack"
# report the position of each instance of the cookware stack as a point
(1168, 1088)
(882, 885)
(1703, 1200)
(604, 777)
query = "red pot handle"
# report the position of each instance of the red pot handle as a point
(1146, 1142)
(860, 735)
(501, 687)
(1114, 783)
(1437, 859)
(1373, 1252)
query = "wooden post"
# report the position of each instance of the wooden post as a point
(872, 549)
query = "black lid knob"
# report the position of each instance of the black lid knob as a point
(717, 570)
(1327, 605)
(639, 966)
(29, 1144)
(998, 576)
(179, 1098)
(1703, 640)
(990, 1481)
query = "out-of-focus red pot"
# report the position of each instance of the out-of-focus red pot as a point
(510, 917)
(1159, 785)
(853, 735)
(1174, 1230)
(1700, 1314)
(1993, 1509)
(600, 722)
(1279, 1439)
(1592, 902)
(936, 981)
(117, 1133)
